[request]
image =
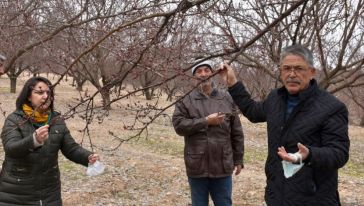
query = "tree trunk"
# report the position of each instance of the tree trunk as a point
(13, 84)
(169, 97)
(170, 93)
(79, 84)
(79, 87)
(73, 82)
(105, 94)
(148, 94)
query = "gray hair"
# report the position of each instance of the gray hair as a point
(298, 50)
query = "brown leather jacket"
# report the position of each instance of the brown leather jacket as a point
(210, 151)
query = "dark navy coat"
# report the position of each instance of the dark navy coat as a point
(320, 122)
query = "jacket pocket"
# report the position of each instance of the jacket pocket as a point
(18, 176)
(302, 182)
(53, 148)
(195, 161)
(21, 171)
(227, 161)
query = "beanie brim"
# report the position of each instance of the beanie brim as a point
(204, 63)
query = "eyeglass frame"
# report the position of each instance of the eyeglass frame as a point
(286, 69)
(41, 92)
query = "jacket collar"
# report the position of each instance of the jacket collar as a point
(303, 95)
(197, 94)
(21, 113)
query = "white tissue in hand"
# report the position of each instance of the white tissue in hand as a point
(95, 169)
(289, 168)
(297, 157)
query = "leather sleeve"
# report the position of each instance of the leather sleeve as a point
(185, 125)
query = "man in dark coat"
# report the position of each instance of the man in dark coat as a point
(307, 132)
(214, 142)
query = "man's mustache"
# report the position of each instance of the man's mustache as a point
(295, 81)
(202, 78)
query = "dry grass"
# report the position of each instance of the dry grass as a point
(150, 171)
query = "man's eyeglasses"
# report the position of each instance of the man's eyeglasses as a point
(295, 69)
(41, 92)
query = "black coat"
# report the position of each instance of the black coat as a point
(319, 121)
(30, 176)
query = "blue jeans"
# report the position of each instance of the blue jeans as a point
(220, 190)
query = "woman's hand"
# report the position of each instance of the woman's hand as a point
(41, 134)
(93, 158)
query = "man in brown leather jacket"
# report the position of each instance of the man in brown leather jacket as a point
(214, 141)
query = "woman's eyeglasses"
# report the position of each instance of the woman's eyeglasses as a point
(41, 92)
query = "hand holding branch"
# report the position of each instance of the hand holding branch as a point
(215, 119)
(41, 134)
(227, 74)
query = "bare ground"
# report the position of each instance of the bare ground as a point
(151, 171)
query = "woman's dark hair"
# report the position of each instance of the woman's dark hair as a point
(27, 91)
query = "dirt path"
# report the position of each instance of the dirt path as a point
(136, 176)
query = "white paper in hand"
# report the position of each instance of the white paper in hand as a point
(95, 169)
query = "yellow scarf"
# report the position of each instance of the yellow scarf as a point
(35, 115)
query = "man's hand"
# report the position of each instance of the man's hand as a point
(215, 119)
(227, 74)
(302, 150)
(238, 169)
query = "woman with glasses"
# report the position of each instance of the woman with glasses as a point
(32, 136)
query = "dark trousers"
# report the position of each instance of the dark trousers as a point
(220, 190)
